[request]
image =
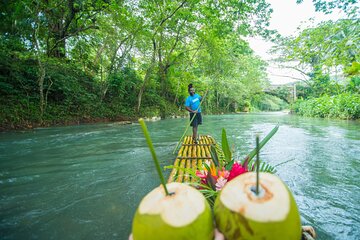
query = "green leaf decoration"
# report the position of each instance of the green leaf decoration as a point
(207, 167)
(264, 167)
(262, 143)
(229, 166)
(225, 146)
(214, 156)
(153, 154)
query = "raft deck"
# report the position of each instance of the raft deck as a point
(190, 157)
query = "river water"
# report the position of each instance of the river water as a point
(85, 182)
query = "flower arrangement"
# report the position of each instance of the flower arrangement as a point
(219, 176)
(215, 174)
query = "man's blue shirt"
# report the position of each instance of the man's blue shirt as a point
(193, 102)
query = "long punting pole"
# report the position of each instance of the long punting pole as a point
(188, 125)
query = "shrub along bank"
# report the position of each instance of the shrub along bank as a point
(343, 106)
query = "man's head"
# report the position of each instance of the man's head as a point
(191, 89)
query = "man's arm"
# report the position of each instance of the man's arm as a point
(189, 109)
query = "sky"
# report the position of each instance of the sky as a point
(286, 18)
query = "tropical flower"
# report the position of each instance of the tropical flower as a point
(220, 183)
(202, 175)
(217, 178)
(223, 173)
(236, 170)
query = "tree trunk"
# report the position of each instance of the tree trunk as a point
(147, 77)
(142, 89)
(56, 42)
(41, 74)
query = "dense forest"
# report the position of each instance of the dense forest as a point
(74, 61)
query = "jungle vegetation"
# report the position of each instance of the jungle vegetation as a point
(71, 61)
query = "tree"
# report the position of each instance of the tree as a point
(326, 50)
(351, 7)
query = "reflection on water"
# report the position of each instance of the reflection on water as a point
(85, 182)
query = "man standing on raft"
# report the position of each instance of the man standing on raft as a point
(192, 104)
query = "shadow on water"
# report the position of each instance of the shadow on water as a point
(85, 182)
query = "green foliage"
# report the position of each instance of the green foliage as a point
(80, 61)
(354, 85)
(123, 86)
(268, 103)
(224, 157)
(71, 97)
(252, 154)
(328, 57)
(343, 106)
(328, 6)
(225, 147)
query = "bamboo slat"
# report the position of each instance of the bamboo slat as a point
(180, 176)
(174, 171)
(190, 158)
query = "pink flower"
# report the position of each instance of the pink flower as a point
(220, 183)
(236, 170)
(201, 174)
(223, 173)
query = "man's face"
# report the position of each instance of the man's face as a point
(192, 91)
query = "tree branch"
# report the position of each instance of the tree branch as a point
(73, 34)
(295, 78)
(172, 14)
(297, 69)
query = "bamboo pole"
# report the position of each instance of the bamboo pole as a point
(174, 170)
(194, 168)
(181, 171)
(188, 167)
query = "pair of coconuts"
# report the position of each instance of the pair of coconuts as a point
(239, 212)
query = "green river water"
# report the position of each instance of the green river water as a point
(85, 182)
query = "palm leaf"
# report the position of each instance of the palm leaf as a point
(214, 156)
(262, 143)
(264, 167)
(225, 146)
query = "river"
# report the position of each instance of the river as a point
(85, 182)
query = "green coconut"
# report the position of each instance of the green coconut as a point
(241, 214)
(185, 214)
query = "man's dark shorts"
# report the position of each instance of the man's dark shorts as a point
(197, 119)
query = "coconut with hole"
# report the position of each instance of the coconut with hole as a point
(184, 214)
(240, 213)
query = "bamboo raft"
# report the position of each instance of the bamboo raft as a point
(190, 158)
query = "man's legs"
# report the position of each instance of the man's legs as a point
(195, 133)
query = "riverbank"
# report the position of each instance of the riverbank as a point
(121, 120)
(31, 125)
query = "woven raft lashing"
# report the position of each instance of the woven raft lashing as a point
(190, 158)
